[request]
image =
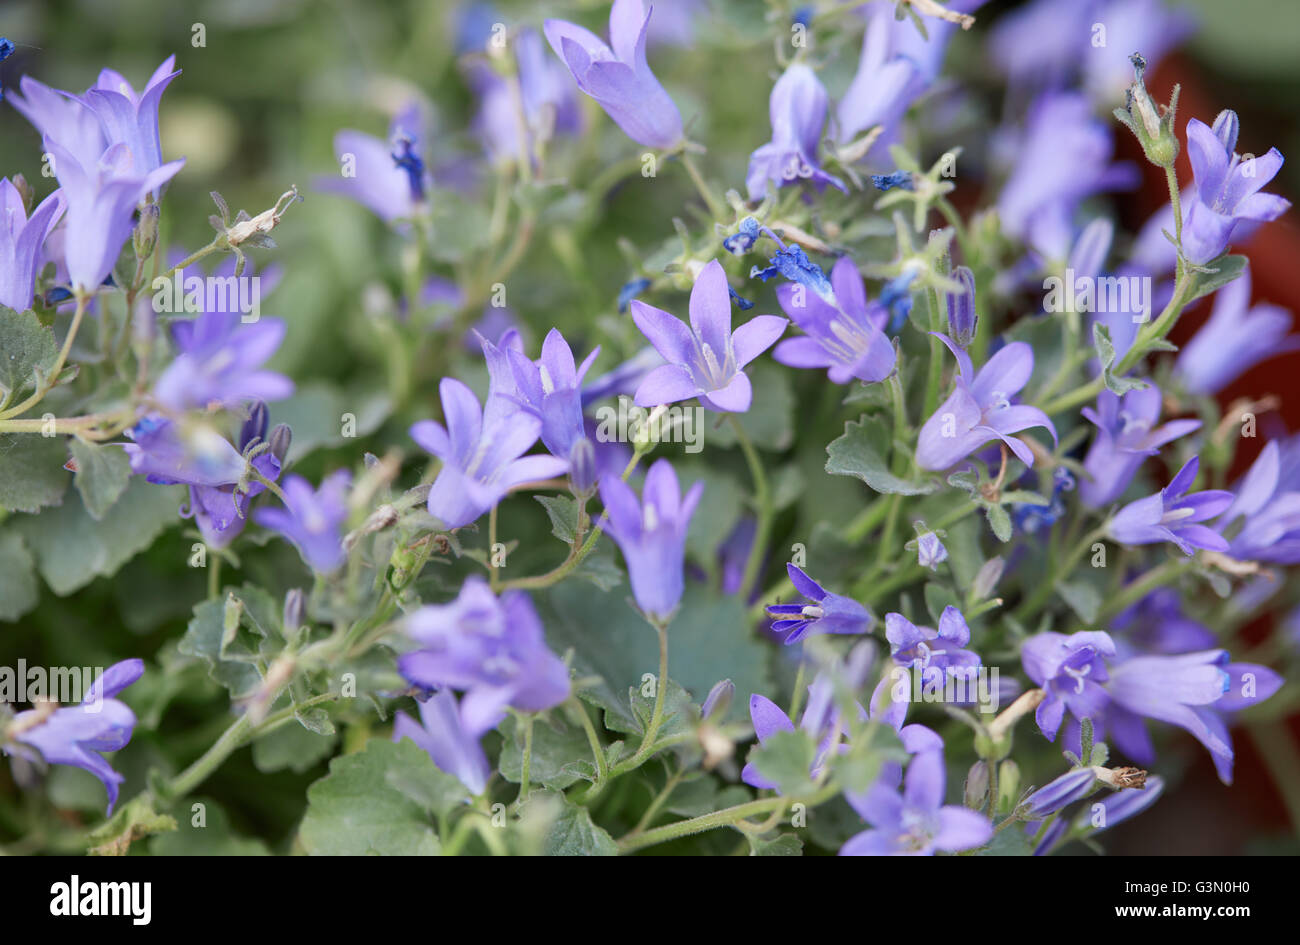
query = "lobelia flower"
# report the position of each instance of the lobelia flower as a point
(130, 118)
(619, 79)
(387, 177)
(1236, 337)
(1058, 793)
(708, 359)
(915, 822)
(62, 118)
(219, 362)
(828, 613)
(187, 451)
(548, 389)
(312, 519)
(1227, 188)
(449, 739)
(101, 201)
(1070, 670)
(843, 332)
(1268, 501)
(1126, 435)
(21, 239)
(1121, 805)
(979, 409)
(221, 511)
(1063, 157)
(798, 113)
(1188, 690)
(77, 735)
(482, 454)
(1173, 515)
(936, 653)
(652, 534)
(494, 650)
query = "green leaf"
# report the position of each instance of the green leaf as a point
(557, 746)
(1013, 841)
(428, 786)
(1106, 354)
(573, 833)
(1082, 598)
(31, 471)
(321, 414)
(863, 451)
(999, 521)
(291, 747)
(19, 591)
(103, 473)
(28, 346)
(710, 639)
(937, 597)
(785, 758)
(210, 836)
(355, 810)
(72, 549)
(785, 844)
(1227, 268)
(563, 513)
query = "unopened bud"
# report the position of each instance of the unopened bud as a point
(280, 438)
(145, 236)
(1008, 786)
(977, 786)
(582, 468)
(1152, 125)
(718, 701)
(962, 320)
(293, 606)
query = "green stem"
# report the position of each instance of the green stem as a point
(762, 509)
(53, 377)
(527, 770)
(1043, 593)
(716, 209)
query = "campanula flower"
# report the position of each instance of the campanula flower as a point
(1173, 515)
(930, 551)
(827, 612)
(312, 519)
(843, 332)
(21, 240)
(78, 735)
(219, 362)
(914, 822)
(1158, 624)
(390, 177)
(708, 359)
(1058, 794)
(1126, 435)
(1070, 670)
(619, 78)
(61, 118)
(1227, 189)
(798, 112)
(493, 649)
(182, 451)
(482, 455)
(130, 118)
(1236, 337)
(549, 388)
(1063, 156)
(449, 739)
(933, 652)
(980, 410)
(1121, 805)
(101, 201)
(221, 511)
(1268, 502)
(652, 534)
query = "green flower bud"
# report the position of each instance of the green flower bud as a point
(1153, 125)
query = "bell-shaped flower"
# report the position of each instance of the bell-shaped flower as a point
(21, 240)
(549, 388)
(130, 118)
(706, 360)
(980, 409)
(798, 113)
(312, 520)
(389, 177)
(1268, 502)
(1070, 670)
(449, 739)
(1173, 515)
(826, 612)
(1126, 435)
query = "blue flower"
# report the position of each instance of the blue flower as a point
(1173, 515)
(798, 112)
(827, 612)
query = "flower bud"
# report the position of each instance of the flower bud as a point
(280, 438)
(145, 236)
(25, 193)
(1008, 786)
(986, 579)
(1153, 125)
(962, 320)
(718, 701)
(1065, 790)
(254, 427)
(977, 786)
(293, 605)
(582, 468)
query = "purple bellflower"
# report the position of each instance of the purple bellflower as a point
(1126, 435)
(827, 612)
(979, 409)
(130, 118)
(482, 454)
(221, 511)
(930, 551)
(1227, 188)
(1122, 805)
(219, 362)
(494, 650)
(652, 534)
(1157, 624)
(101, 205)
(182, 451)
(843, 332)
(77, 735)
(798, 113)
(1236, 338)
(1058, 794)
(312, 519)
(21, 240)
(619, 78)
(935, 653)
(1268, 502)
(708, 359)
(915, 822)
(387, 177)
(1173, 515)
(1070, 670)
(449, 739)
(61, 118)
